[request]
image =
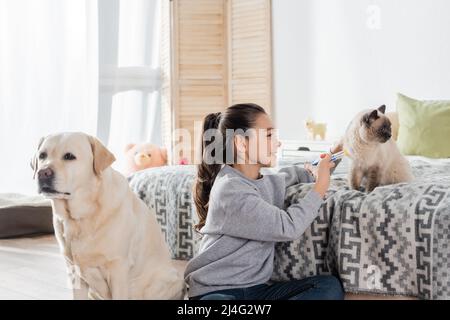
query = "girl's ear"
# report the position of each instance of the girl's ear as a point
(240, 144)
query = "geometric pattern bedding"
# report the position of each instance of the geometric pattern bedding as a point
(167, 191)
(393, 241)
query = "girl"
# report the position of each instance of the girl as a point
(241, 215)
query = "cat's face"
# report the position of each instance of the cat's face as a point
(375, 126)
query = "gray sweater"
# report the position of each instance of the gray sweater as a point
(245, 219)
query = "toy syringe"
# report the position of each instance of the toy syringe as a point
(335, 157)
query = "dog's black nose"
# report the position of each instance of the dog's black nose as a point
(45, 174)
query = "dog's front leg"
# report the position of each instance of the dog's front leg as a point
(118, 280)
(80, 289)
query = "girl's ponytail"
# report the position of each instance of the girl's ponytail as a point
(237, 117)
(206, 174)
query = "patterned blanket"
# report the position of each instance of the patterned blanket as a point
(167, 191)
(393, 241)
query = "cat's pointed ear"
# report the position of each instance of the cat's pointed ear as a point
(368, 118)
(382, 109)
(374, 115)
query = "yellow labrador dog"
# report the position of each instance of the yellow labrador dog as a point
(113, 245)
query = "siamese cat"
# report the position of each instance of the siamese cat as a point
(376, 158)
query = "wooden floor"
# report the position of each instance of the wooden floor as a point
(33, 268)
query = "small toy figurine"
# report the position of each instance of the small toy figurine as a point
(316, 129)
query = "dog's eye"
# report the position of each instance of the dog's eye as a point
(43, 155)
(69, 156)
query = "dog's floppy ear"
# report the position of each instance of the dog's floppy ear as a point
(382, 109)
(34, 160)
(103, 158)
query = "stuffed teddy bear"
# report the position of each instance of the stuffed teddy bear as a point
(143, 156)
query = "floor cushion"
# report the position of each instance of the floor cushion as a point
(24, 215)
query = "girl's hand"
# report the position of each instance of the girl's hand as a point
(323, 175)
(338, 146)
(311, 169)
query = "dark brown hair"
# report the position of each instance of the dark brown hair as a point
(238, 117)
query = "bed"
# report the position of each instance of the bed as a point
(393, 241)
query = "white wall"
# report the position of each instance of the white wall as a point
(333, 58)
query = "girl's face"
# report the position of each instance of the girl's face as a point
(261, 144)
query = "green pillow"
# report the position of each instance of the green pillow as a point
(424, 127)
